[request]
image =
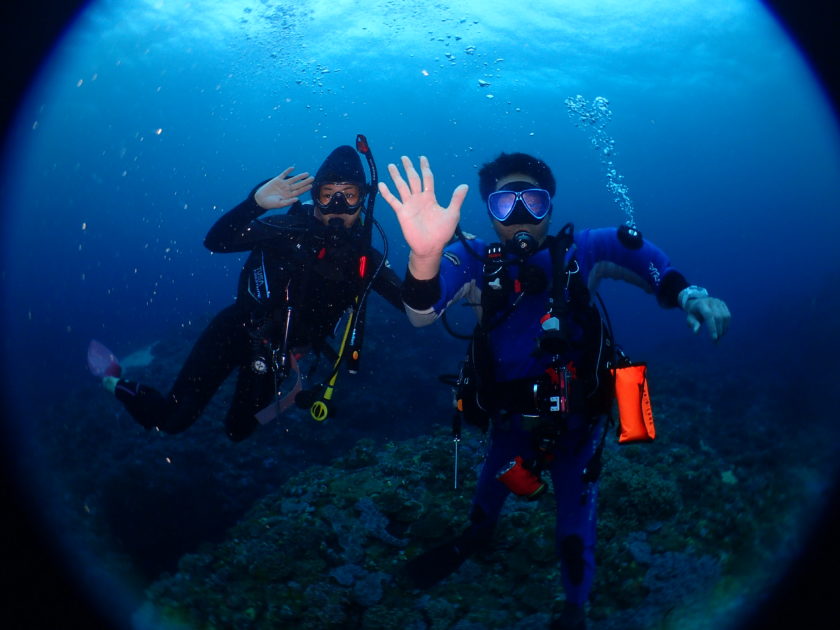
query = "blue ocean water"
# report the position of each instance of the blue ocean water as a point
(154, 117)
(151, 119)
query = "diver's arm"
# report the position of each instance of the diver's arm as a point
(420, 297)
(604, 255)
(457, 278)
(233, 231)
(238, 230)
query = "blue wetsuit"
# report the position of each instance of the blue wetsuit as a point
(513, 329)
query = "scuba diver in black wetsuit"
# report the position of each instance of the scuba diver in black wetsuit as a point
(305, 270)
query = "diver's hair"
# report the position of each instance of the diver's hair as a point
(508, 163)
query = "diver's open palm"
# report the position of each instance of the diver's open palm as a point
(426, 226)
(283, 190)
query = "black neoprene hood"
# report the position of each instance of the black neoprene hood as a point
(342, 165)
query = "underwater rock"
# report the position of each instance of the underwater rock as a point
(346, 574)
(331, 543)
(368, 590)
(375, 523)
(325, 604)
(295, 530)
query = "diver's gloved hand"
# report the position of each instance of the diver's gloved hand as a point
(426, 226)
(283, 191)
(695, 301)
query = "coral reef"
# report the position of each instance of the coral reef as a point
(308, 525)
(326, 549)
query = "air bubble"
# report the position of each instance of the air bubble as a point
(595, 116)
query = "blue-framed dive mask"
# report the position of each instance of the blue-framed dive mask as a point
(513, 207)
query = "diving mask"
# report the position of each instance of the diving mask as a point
(338, 198)
(531, 205)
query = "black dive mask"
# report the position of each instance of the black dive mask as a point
(338, 205)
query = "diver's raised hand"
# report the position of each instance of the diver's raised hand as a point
(426, 226)
(283, 190)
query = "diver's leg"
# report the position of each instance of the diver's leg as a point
(219, 348)
(576, 495)
(507, 442)
(253, 393)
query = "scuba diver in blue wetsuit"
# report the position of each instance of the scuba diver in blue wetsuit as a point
(305, 269)
(537, 370)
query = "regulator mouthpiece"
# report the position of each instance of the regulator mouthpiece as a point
(523, 244)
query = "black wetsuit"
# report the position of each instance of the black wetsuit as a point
(295, 259)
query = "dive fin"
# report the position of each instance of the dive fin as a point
(431, 567)
(102, 361)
